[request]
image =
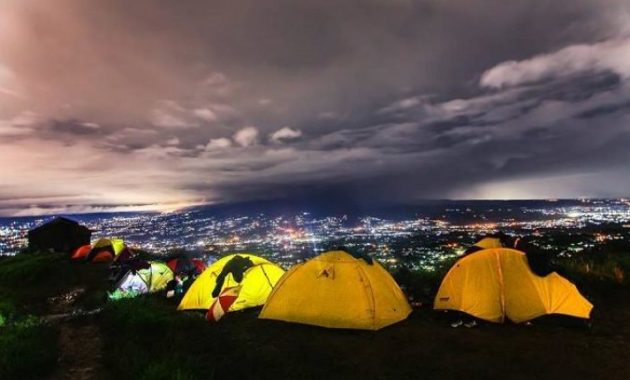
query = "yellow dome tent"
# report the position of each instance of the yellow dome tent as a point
(337, 290)
(492, 284)
(118, 245)
(485, 243)
(258, 282)
(489, 242)
(106, 250)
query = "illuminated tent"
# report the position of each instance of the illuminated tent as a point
(337, 290)
(485, 243)
(81, 252)
(489, 242)
(104, 250)
(256, 284)
(492, 284)
(147, 280)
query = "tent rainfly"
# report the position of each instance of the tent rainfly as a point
(337, 290)
(496, 283)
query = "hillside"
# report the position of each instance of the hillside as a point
(146, 338)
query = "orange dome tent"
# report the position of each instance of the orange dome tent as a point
(81, 252)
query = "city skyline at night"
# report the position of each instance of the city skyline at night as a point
(418, 239)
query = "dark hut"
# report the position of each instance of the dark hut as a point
(59, 235)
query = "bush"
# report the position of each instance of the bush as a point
(7, 308)
(598, 268)
(24, 269)
(167, 370)
(27, 349)
(31, 279)
(422, 285)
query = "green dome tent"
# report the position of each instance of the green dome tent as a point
(143, 281)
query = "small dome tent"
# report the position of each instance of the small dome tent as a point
(495, 283)
(185, 265)
(485, 243)
(81, 252)
(147, 280)
(255, 276)
(489, 242)
(337, 290)
(104, 250)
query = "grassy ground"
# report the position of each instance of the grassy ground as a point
(33, 279)
(146, 338)
(27, 349)
(32, 285)
(425, 346)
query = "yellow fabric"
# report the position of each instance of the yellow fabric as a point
(118, 245)
(487, 243)
(337, 290)
(492, 284)
(101, 243)
(258, 281)
(157, 276)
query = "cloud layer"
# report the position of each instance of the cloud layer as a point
(157, 103)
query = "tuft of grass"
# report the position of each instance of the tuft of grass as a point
(8, 310)
(139, 314)
(28, 349)
(26, 269)
(32, 278)
(167, 370)
(146, 339)
(7, 306)
(597, 270)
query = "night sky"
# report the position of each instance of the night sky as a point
(158, 104)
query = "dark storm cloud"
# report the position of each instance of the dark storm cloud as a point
(73, 128)
(396, 100)
(604, 110)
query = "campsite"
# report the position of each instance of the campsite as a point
(58, 322)
(307, 189)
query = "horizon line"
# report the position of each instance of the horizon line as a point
(157, 210)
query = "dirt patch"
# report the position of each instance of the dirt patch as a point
(64, 303)
(81, 348)
(79, 338)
